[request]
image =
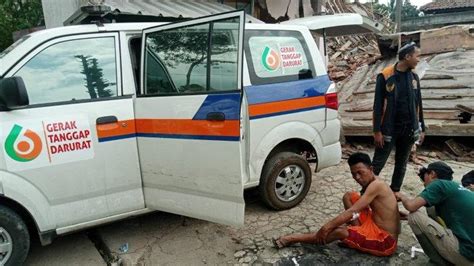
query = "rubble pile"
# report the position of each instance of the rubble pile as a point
(446, 71)
(348, 53)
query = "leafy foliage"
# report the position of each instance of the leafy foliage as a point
(18, 15)
(408, 9)
(95, 83)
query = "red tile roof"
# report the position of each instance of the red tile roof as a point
(447, 4)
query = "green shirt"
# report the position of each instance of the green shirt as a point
(455, 205)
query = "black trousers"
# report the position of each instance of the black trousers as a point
(403, 140)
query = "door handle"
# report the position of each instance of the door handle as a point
(106, 120)
(215, 116)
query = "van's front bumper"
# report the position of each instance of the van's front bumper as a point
(329, 155)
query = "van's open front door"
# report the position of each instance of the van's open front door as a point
(188, 118)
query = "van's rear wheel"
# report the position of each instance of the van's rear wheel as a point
(285, 181)
(14, 238)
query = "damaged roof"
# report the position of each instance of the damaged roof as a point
(173, 8)
(447, 4)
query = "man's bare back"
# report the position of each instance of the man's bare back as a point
(384, 207)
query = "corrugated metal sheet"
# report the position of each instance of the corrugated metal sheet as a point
(56, 12)
(172, 8)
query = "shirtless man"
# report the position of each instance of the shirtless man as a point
(373, 219)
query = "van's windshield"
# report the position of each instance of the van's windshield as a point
(15, 44)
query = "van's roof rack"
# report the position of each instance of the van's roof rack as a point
(99, 14)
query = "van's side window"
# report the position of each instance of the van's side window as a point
(277, 56)
(195, 59)
(72, 70)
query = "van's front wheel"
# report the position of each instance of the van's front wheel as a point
(285, 181)
(14, 238)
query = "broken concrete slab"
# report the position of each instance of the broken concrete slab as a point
(75, 249)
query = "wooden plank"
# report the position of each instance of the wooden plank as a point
(453, 87)
(455, 147)
(436, 76)
(345, 46)
(435, 128)
(450, 87)
(335, 55)
(430, 114)
(465, 108)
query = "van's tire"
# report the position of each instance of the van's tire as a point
(285, 180)
(14, 238)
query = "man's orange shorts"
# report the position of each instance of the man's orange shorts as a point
(368, 237)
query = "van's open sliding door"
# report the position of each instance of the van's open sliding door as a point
(188, 118)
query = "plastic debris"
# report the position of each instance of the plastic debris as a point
(415, 249)
(295, 262)
(124, 248)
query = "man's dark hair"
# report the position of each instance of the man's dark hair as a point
(442, 170)
(359, 157)
(468, 179)
(408, 49)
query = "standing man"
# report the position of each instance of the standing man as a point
(451, 240)
(398, 113)
(373, 218)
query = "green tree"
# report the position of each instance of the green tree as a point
(18, 15)
(94, 77)
(408, 10)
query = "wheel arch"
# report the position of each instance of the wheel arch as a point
(298, 146)
(302, 135)
(22, 212)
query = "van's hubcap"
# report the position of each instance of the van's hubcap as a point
(290, 183)
(6, 246)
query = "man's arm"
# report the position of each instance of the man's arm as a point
(378, 110)
(372, 191)
(412, 205)
(420, 110)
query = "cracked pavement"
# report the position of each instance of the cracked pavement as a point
(166, 239)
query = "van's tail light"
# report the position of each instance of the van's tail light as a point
(331, 100)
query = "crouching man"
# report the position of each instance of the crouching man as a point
(451, 238)
(373, 218)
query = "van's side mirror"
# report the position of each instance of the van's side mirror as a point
(12, 93)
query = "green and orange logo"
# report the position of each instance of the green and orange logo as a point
(270, 59)
(23, 150)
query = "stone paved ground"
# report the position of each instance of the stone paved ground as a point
(165, 239)
(322, 203)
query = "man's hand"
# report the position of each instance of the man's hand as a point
(399, 196)
(403, 215)
(378, 139)
(322, 235)
(422, 138)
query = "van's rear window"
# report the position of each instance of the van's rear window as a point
(277, 56)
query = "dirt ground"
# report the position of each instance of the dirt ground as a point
(166, 239)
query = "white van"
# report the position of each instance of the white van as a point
(103, 122)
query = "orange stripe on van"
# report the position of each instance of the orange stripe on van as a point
(120, 128)
(188, 127)
(285, 106)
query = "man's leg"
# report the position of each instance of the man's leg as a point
(403, 146)
(438, 243)
(339, 233)
(381, 156)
